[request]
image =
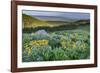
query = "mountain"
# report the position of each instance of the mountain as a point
(32, 22)
(54, 18)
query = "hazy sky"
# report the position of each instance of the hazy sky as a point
(73, 15)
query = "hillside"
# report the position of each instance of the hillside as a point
(83, 22)
(32, 22)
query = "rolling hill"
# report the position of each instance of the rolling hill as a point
(32, 22)
(55, 18)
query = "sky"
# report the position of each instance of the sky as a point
(72, 15)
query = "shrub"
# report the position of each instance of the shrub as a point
(60, 45)
(40, 36)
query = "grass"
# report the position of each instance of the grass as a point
(59, 45)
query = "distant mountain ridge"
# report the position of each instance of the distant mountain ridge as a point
(54, 18)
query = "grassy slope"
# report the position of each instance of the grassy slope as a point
(29, 21)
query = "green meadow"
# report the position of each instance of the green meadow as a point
(55, 40)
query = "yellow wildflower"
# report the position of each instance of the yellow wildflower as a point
(39, 42)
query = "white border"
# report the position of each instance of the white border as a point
(52, 63)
